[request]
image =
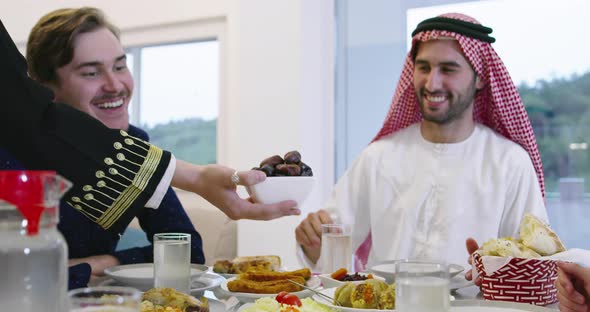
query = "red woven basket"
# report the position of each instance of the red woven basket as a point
(520, 280)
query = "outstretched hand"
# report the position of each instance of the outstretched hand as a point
(573, 287)
(214, 183)
(472, 247)
(228, 200)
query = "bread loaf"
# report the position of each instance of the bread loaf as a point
(536, 240)
(507, 247)
(538, 236)
(245, 263)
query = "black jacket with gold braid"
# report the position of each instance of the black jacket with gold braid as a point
(114, 174)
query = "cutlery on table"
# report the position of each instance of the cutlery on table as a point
(316, 292)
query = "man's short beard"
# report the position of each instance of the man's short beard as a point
(455, 111)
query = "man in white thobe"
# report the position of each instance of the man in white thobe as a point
(456, 157)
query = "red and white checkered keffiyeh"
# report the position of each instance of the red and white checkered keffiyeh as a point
(497, 106)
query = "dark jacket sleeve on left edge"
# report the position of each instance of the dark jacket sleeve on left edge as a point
(114, 174)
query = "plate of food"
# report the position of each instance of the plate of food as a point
(141, 275)
(252, 285)
(369, 296)
(231, 268)
(387, 270)
(168, 299)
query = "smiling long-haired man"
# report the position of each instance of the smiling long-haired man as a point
(456, 157)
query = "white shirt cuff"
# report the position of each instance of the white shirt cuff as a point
(306, 262)
(163, 186)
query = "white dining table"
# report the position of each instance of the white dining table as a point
(220, 301)
(218, 298)
(472, 292)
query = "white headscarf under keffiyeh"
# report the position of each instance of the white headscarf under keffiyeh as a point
(498, 105)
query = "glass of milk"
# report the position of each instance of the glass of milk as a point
(421, 286)
(105, 299)
(172, 261)
(336, 249)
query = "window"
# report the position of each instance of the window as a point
(547, 61)
(176, 97)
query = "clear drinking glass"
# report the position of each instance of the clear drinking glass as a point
(105, 299)
(421, 286)
(336, 250)
(172, 261)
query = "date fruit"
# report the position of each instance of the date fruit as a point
(288, 166)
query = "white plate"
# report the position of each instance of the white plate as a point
(494, 306)
(458, 281)
(216, 305)
(387, 270)
(330, 292)
(207, 281)
(245, 306)
(313, 282)
(228, 276)
(141, 275)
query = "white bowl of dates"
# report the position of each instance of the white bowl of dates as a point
(287, 178)
(341, 276)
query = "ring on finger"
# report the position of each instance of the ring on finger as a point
(235, 178)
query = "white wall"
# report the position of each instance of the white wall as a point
(20, 16)
(277, 82)
(287, 46)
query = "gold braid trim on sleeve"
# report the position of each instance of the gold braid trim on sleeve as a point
(127, 174)
(130, 193)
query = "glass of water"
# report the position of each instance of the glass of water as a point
(336, 249)
(172, 261)
(105, 299)
(421, 286)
